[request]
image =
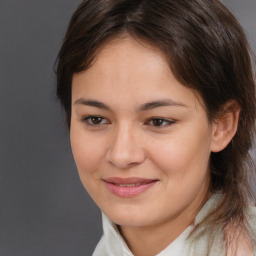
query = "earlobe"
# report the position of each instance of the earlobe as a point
(225, 126)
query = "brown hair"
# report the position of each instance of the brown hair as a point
(207, 51)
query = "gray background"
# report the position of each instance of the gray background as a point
(44, 210)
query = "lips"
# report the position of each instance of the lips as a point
(128, 187)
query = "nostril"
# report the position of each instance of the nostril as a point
(122, 165)
(123, 160)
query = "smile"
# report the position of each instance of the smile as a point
(129, 187)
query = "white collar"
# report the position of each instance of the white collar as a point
(116, 246)
(113, 244)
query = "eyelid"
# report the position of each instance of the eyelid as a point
(168, 122)
(86, 119)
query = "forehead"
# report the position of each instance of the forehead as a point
(127, 57)
(126, 67)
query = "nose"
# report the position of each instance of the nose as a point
(125, 149)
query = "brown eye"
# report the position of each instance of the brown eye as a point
(160, 122)
(157, 122)
(95, 120)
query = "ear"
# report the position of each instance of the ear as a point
(225, 126)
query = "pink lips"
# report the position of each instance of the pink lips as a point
(128, 187)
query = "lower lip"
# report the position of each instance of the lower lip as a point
(127, 192)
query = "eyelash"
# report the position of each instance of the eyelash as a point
(154, 121)
(88, 120)
(167, 122)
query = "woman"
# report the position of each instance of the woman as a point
(160, 102)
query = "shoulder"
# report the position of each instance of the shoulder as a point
(251, 225)
(240, 238)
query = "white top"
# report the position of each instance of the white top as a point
(112, 243)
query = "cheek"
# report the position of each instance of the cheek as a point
(183, 164)
(182, 155)
(87, 151)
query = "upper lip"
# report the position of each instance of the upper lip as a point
(129, 180)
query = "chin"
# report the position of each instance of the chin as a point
(129, 217)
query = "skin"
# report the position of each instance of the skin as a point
(126, 142)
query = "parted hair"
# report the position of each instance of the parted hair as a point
(207, 50)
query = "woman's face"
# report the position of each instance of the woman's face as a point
(140, 139)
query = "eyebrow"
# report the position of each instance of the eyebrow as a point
(160, 103)
(144, 107)
(92, 103)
